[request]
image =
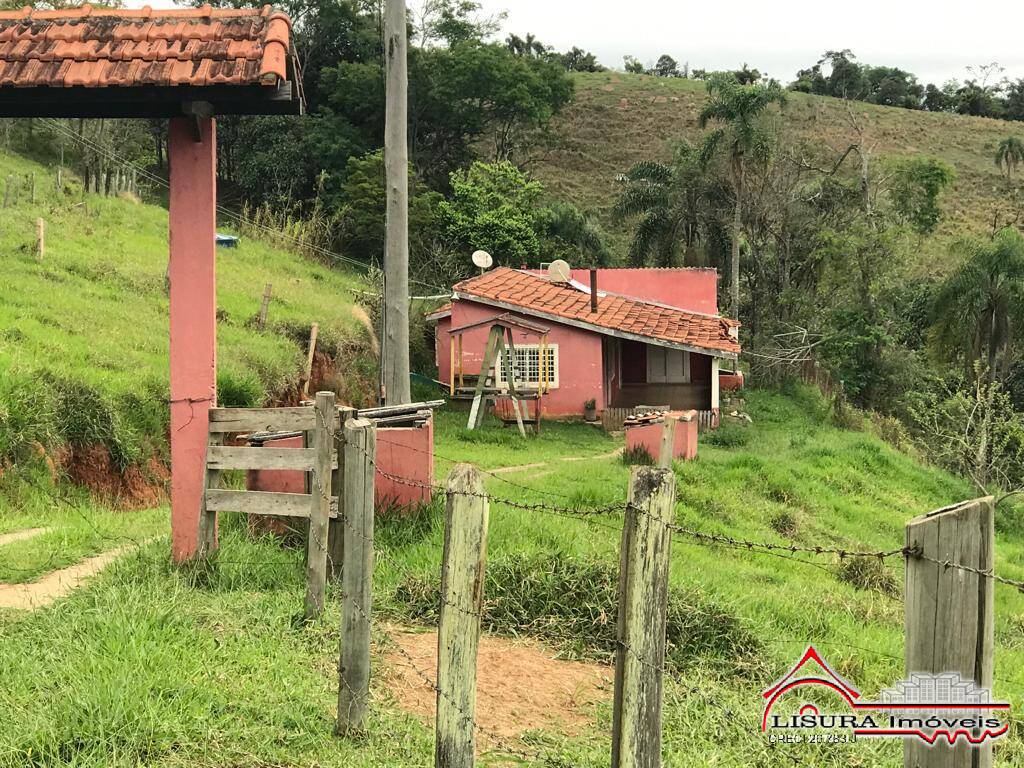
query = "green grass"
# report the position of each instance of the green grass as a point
(600, 136)
(84, 339)
(156, 666)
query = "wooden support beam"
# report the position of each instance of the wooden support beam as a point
(261, 322)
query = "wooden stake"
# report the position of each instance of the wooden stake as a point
(40, 239)
(336, 537)
(643, 605)
(8, 191)
(313, 332)
(462, 598)
(668, 442)
(264, 307)
(949, 614)
(320, 509)
(357, 576)
(32, 187)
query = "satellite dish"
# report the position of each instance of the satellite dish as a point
(482, 259)
(559, 272)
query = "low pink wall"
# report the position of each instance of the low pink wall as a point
(730, 382)
(407, 453)
(648, 437)
(579, 356)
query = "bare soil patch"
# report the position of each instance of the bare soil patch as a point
(28, 533)
(138, 487)
(56, 584)
(520, 686)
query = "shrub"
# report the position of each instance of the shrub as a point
(638, 456)
(868, 573)
(727, 436)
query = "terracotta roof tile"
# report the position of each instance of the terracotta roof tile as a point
(101, 47)
(532, 294)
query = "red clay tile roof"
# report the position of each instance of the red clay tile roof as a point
(94, 47)
(534, 295)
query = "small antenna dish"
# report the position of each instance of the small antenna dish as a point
(559, 272)
(482, 259)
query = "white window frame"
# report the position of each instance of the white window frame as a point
(664, 377)
(552, 374)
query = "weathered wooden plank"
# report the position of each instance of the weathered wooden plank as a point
(949, 613)
(336, 536)
(643, 606)
(259, 503)
(320, 504)
(298, 419)
(462, 596)
(357, 575)
(207, 537)
(232, 457)
(668, 442)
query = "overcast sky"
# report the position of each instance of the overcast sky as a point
(936, 40)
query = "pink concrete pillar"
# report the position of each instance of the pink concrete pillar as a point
(193, 221)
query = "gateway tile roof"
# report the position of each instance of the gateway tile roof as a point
(532, 294)
(99, 47)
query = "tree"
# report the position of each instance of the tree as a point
(744, 140)
(633, 65)
(1009, 155)
(745, 75)
(493, 207)
(528, 46)
(676, 205)
(916, 187)
(666, 67)
(453, 22)
(579, 60)
(568, 233)
(979, 309)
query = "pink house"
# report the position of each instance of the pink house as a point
(643, 337)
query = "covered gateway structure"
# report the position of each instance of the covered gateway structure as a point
(190, 66)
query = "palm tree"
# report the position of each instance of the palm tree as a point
(677, 207)
(980, 306)
(744, 140)
(1009, 155)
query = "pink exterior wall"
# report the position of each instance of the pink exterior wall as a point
(407, 453)
(648, 437)
(692, 289)
(579, 356)
(278, 481)
(193, 301)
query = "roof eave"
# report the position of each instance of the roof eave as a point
(597, 328)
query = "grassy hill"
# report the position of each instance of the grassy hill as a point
(84, 339)
(617, 120)
(84, 359)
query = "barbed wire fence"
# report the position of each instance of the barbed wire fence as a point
(634, 517)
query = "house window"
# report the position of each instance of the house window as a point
(667, 366)
(528, 366)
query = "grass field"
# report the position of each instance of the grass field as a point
(157, 666)
(83, 332)
(617, 120)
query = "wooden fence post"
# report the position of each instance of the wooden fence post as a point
(356, 575)
(32, 188)
(668, 442)
(40, 239)
(643, 604)
(9, 191)
(949, 613)
(261, 323)
(320, 509)
(313, 332)
(462, 597)
(336, 535)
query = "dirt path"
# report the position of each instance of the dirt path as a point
(520, 687)
(526, 467)
(28, 533)
(56, 584)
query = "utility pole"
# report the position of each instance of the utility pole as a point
(395, 360)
